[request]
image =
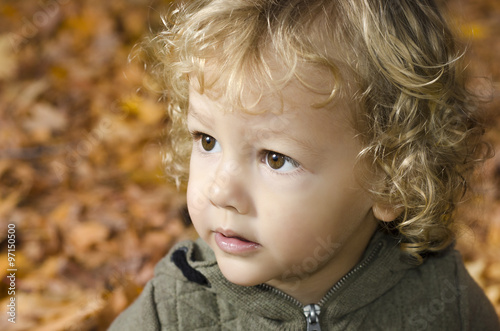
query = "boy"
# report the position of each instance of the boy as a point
(328, 144)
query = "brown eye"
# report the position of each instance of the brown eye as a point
(280, 162)
(275, 160)
(208, 142)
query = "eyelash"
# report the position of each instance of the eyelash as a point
(198, 135)
(265, 153)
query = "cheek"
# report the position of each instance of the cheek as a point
(197, 207)
(196, 197)
(289, 224)
(317, 214)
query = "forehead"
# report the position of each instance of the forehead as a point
(265, 81)
(254, 98)
(292, 110)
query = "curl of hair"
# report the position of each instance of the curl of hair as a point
(397, 61)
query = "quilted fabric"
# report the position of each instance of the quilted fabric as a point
(387, 294)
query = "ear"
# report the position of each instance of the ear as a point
(386, 213)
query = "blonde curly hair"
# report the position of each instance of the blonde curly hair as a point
(397, 60)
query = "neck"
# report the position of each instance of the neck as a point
(312, 288)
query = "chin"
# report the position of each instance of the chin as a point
(242, 281)
(240, 276)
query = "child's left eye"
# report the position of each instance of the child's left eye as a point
(280, 162)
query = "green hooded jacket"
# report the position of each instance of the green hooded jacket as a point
(383, 292)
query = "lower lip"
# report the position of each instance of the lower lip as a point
(234, 245)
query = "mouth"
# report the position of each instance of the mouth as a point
(231, 234)
(233, 243)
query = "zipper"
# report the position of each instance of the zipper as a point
(312, 311)
(281, 294)
(312, 317)
(353, 271)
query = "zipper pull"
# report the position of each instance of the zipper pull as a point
(312, 317)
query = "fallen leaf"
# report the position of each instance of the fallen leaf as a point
(84, 235)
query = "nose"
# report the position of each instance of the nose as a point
(227, 190)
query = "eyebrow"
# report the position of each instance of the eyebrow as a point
(307, 146)
(198, 116)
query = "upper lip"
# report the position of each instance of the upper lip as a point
(231, 234)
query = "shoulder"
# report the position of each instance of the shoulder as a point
(172, 295)
(441, 294)
(141, 315)
(475, 310)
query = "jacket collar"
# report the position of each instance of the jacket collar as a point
(380, 268)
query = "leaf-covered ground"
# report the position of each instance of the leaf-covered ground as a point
(80, 170)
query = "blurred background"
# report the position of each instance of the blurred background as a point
(80, 165)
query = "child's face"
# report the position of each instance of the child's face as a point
(274, 195)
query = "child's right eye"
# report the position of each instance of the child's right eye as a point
(208, 143)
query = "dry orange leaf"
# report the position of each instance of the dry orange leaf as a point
(84, 235)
